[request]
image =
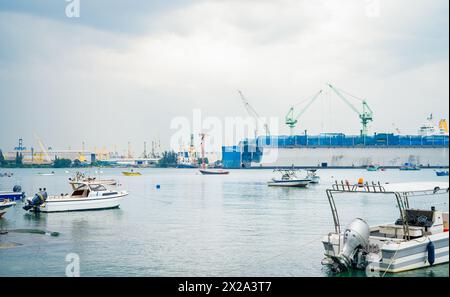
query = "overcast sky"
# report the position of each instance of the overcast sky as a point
(124, 69)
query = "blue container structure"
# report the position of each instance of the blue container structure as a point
(250, 150)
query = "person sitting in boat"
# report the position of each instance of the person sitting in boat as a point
(38, 199)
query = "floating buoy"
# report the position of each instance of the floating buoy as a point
(431, 254)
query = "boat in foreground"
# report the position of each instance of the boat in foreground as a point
(88, 196)
(419, 238)
(6, 205)
(288, 179)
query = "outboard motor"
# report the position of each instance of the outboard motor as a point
(356, 243)
(38, 199)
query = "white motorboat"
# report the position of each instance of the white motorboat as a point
(87, 196)
(312, 175)
(419, 238)
(288, 179)
(6, 205)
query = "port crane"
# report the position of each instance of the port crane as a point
(366, 115)
(44, 151)
(292, 120)
(252, 112)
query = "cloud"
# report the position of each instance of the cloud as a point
(122, 83)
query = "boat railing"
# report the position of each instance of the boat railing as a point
(345, 186)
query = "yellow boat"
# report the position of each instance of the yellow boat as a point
(130, 173)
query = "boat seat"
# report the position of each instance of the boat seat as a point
(397, 230)
(418, 218)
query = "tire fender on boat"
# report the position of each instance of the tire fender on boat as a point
(431, 253)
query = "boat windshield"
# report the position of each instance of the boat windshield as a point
(97, 188)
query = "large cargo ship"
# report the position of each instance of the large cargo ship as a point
(428, 149)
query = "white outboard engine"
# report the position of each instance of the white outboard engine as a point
(356, 243)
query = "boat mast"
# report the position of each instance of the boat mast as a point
(202, 144)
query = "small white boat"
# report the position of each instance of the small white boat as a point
(419, 238)
(288, 179)
(213, 172)
(46, 174)
(6, 205)
(312, 175)
(87, 196)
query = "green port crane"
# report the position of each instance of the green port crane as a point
(291, 120)
(366, 115)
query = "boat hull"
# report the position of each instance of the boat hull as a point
(131, 173)
(80, 204)
(442, 173)
(13, 196)
(210, 172)
(290, 183)
(5, 206)
(399, 256)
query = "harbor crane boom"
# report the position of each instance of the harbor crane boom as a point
(366, 115)
(292, 120)
(252, 112)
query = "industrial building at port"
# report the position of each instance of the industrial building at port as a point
(47, 155)
(338, 150)
(428, 149)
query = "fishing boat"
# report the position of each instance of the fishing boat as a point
(417, 239)
(14, 195)
(6, 205)
(131, 173)
(409, 167)
(442, 173)
(288, 179)
(203, 169)
(312, 175)
(88, 196)
(373, 168)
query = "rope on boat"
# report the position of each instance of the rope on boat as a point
(392, 261)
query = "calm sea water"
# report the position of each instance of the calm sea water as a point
(195, 225)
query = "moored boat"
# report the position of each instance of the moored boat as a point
(88, 196)
(14, 195)
(373, 168)
(442, 173)
(418, 239)
(312, 175)
(213, 171)
(5, 205)
(288, 179)
(131, 173)
(46, 174)
(410, 167)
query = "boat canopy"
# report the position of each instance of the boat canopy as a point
(416, 187)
